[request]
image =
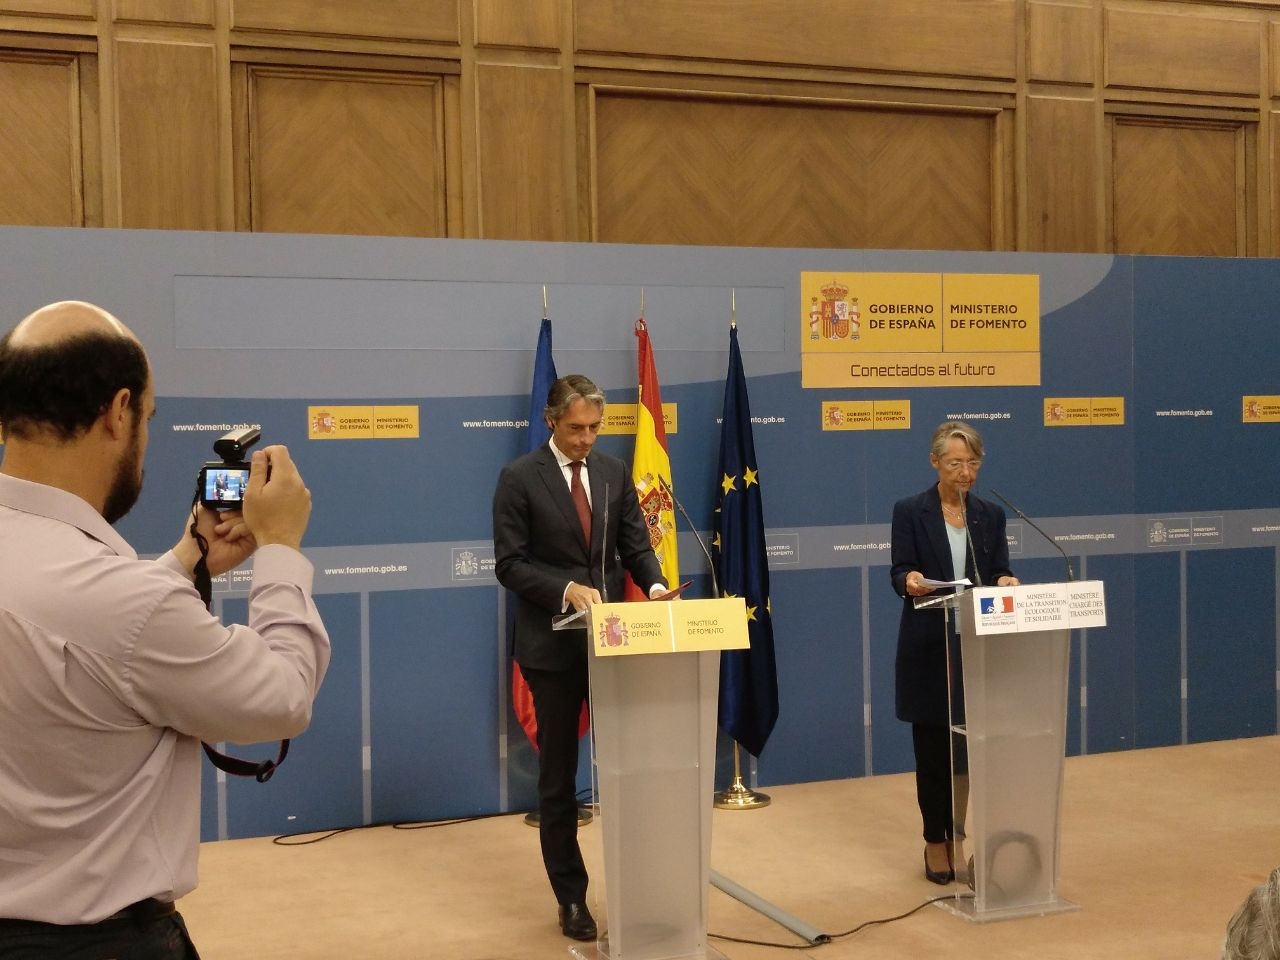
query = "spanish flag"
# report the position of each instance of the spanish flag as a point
(651, 468)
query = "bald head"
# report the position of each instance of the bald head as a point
(61, 367)
(63, 321)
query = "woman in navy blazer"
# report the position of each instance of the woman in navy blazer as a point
(944, 533)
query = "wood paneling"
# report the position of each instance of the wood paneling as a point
(401, 19)
(351, 152)
(40, 150)
(81, 9)
(1190, 52)
(527, 23)
(734, 171)
(967, 124)
(1273, 41)
(165, 11)
(1178, 188)
(971, 38)
(1061, 44)
(520, 115)
(1062, 175)
(167, 109)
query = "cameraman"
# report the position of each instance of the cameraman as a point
(113, 670)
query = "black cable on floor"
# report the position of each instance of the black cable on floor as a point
(291, 839)
(825, 938)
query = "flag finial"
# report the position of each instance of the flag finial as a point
(733, 308)
(544, 302)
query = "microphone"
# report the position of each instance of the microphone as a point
(604, 543)
(1071, 573)
(964, 520)
(715, 587)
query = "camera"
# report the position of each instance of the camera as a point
(222, 483)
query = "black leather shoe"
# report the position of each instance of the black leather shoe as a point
(576, 922)
(941, 877)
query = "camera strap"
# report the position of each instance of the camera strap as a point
(260, 770)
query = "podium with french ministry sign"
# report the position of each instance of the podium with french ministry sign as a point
(1016, 648)
(655, 675)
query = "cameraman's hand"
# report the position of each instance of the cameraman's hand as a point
(276, 507)
(228, 536)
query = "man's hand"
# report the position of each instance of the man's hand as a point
(277, 504)
(229, 539)
(580, 597)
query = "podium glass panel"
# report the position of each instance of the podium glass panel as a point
(1014, 738)
(653, 745)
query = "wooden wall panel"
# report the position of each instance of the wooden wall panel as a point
(400, 19)
(165, 11)
(1062, 175)
(82, 9)
(345, 152)
(40, 173)
(1177, 188)
(520, 116)
(759, 173)
(1189, 52)
(528, 23)
(1273, 181)
(973, 38)
(167, 115)
(1061, 43)
(1273, 46)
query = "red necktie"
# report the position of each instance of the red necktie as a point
(579, 495)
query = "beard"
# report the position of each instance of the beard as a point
(126, 486)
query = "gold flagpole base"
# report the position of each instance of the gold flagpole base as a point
(740, 797)
(534, 819)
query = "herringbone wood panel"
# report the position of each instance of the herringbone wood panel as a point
(39, 181)
(734, 172)
(1175, 188)
(350, 154)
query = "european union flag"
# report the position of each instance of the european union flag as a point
(748, 678)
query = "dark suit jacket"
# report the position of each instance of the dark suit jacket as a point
(538, 547)
(919, 542)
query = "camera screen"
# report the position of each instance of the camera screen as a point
(225, 486)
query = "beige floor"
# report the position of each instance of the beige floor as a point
(1159, 847)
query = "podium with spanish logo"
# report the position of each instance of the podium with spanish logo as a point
(1016, 647)
(655, 674)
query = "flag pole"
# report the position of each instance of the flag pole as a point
(739, 796)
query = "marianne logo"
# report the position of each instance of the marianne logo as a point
(995, 605)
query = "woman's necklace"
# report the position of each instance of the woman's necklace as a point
(953, 513)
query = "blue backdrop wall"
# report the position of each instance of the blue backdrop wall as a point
(1173, 508)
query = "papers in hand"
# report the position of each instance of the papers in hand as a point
(672, 594)
(939, 584)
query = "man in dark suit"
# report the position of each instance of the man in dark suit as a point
(566, 524)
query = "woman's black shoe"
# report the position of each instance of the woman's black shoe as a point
(941, 877)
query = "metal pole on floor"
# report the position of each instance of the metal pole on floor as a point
(808, 932)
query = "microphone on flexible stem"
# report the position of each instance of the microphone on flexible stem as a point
(604, 541)
(964, 521)
(1071, 573)
(711, 567)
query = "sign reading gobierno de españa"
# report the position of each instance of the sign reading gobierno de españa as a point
(919, 329)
